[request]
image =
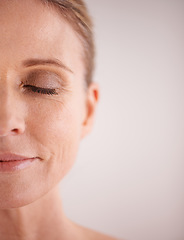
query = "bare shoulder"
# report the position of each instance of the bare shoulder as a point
(83, 233)
(93, 235)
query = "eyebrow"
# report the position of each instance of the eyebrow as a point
(55, 62)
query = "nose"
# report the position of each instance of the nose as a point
(11, 115)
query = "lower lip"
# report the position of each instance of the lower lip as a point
(13, 166)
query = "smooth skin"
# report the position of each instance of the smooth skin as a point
(45, 111)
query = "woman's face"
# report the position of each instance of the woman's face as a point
(44, 108)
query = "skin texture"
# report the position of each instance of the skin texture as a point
(47, 127)
(32, 124)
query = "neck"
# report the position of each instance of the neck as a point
(43, 219)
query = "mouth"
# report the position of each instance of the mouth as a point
(10, 162)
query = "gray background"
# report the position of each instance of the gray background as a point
(128, 178)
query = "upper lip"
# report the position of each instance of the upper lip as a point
(12, 157)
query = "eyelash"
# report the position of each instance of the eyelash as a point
(46, 91)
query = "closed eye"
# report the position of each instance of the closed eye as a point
(47, 91)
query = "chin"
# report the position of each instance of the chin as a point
(16, 200)
(19, 197)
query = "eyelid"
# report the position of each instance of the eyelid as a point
(53, 80)
(39, 90)
(49, 76)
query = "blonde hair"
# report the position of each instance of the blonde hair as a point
(76, 13)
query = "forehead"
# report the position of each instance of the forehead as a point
(30, 29)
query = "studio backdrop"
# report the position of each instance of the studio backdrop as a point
(128, 180)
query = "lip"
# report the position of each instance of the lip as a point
(10, 162)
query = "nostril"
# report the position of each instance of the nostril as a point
(4, 133)
(7, 130)
(15, 131)
(19, 130)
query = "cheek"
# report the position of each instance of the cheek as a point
(55, 132)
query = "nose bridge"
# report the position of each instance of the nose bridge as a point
(11, 118)
(6, 101)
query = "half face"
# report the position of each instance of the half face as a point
(44, 108)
